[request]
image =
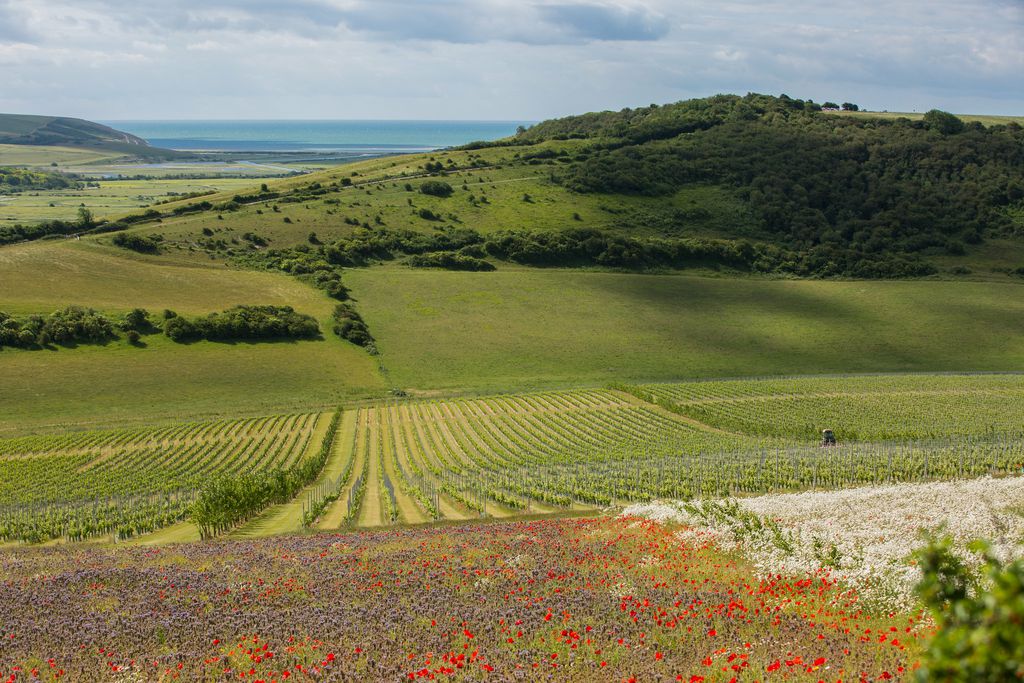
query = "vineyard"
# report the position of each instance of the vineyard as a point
(419, 461)
(129, 482)
(903, 407)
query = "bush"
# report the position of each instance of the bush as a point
(137, 320)
(133, 337)
(180, 330)
(349, 325)
(980, 635)
(449, 260)
(436, 188)
(142, 243)
(244, 322)
(70, 325)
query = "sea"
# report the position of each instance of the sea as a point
(349, 138)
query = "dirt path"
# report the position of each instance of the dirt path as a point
(371, 512)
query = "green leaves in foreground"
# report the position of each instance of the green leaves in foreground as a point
(980, 619)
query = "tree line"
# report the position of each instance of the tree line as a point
(77, 325)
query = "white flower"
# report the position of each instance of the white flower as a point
(867, 534)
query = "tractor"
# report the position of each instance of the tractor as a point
(828, 438)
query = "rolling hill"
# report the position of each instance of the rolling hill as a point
(60, 131)
(22, 129)
(717, 237)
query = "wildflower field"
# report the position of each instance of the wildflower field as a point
(576, 599)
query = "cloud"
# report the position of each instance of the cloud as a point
(532, 23)
(499, 58)
(598, 22)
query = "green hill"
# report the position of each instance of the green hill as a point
(716, 237)
(23, 129)
(60, 131)
(753, 184)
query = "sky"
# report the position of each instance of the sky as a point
(522, 60)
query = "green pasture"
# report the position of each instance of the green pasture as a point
(121, 385)
(39, 277)
(517, 328)
(44, 157)
(112, 197)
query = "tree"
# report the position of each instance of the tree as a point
(436, 188)
(850, 106)
(85, 218)
(829, 105)
(136, 320)
(943, 122)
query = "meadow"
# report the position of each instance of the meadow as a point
(519, 329)
(107, 197)
(572, 599)
(984, 119)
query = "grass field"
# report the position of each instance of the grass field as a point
(123, 385)
(112, 197)
(519, 329)
(39, 277)
(117, 383)
(40, 157)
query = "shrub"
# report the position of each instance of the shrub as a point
(133, 337)
(136, 320)
(349, 325)
(436, 188)
(449, 260)
(146, 244)
(245, 322)
(980, 636)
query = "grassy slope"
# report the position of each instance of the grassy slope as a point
(168, 382)
(515, 329)
(37, 155)
(694, 211)
(41, 276)
(112, 196)
(119, 384)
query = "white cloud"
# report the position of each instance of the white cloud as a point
(499, 58)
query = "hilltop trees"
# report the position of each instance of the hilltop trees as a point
(850, 195)
(943, 122)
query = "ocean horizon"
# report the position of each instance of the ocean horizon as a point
(327, 136)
